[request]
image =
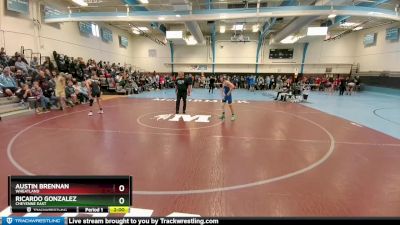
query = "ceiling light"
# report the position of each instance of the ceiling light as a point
(191, 41)
(80, 2)
(161, 18)
(144, 1)
(171, 34)
(256, 28)
(317, 31)
(222, 16)
(357, 28)
(290, 39)
(238, 27)
(177, 15)
(135, 30)
(143, 28)
(331, 16)
(348, 25)
(222, 29)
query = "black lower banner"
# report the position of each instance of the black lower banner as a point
(225, 220)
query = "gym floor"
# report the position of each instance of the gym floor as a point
(333, 156)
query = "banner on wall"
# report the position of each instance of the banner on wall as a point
(106, 35)
(50, 11)
(123, 41)
(85, 27)
(369, 40)
(199, 67)
(21, 6)
(392, 34)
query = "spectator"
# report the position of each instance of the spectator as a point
(41, 78)
(272, 84)
(357, 82)
(72, 98)
(48, 75)
(48, 89)
(252, 83)
(350, 85)
(20, 78)
(43, 100)
(84, 91)
(48, 64)
(260, 82)
(3, 59)
(24, 93)
(284, 90)
(342, 86)
(34, 62)
(12, 60)
(267, 82)
(162, 81)
(23, 59)
(19, 64)
(8, 83)
(157, 80)
(80, 92)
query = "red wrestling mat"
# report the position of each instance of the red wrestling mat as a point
(276, 159)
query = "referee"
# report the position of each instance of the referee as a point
(183, 89)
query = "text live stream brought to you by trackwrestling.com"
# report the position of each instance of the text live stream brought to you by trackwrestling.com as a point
(184, 220)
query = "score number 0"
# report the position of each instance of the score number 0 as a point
(121, 200)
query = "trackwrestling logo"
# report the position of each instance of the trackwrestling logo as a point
(9, 220)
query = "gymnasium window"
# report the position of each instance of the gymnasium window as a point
(95, 30)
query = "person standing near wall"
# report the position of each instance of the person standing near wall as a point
(342, 86)
(183, 87)
(48, 64)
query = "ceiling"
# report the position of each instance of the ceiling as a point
(165, 5)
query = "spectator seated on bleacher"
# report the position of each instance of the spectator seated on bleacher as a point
(7, 83)
(21, 65)
(24, 93)
(81, 91)
(3, 59)
(283, 92)
(71, 97)
(120, 89)
(297, 88)
(44, 101)
(135, 88)
(48, 64)
(34, 62)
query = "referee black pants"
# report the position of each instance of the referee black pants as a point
(212, 86)
(183, 96)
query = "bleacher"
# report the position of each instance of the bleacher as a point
(10, 107)
(295, 95)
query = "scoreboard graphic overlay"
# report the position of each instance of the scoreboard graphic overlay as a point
(78, 194)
